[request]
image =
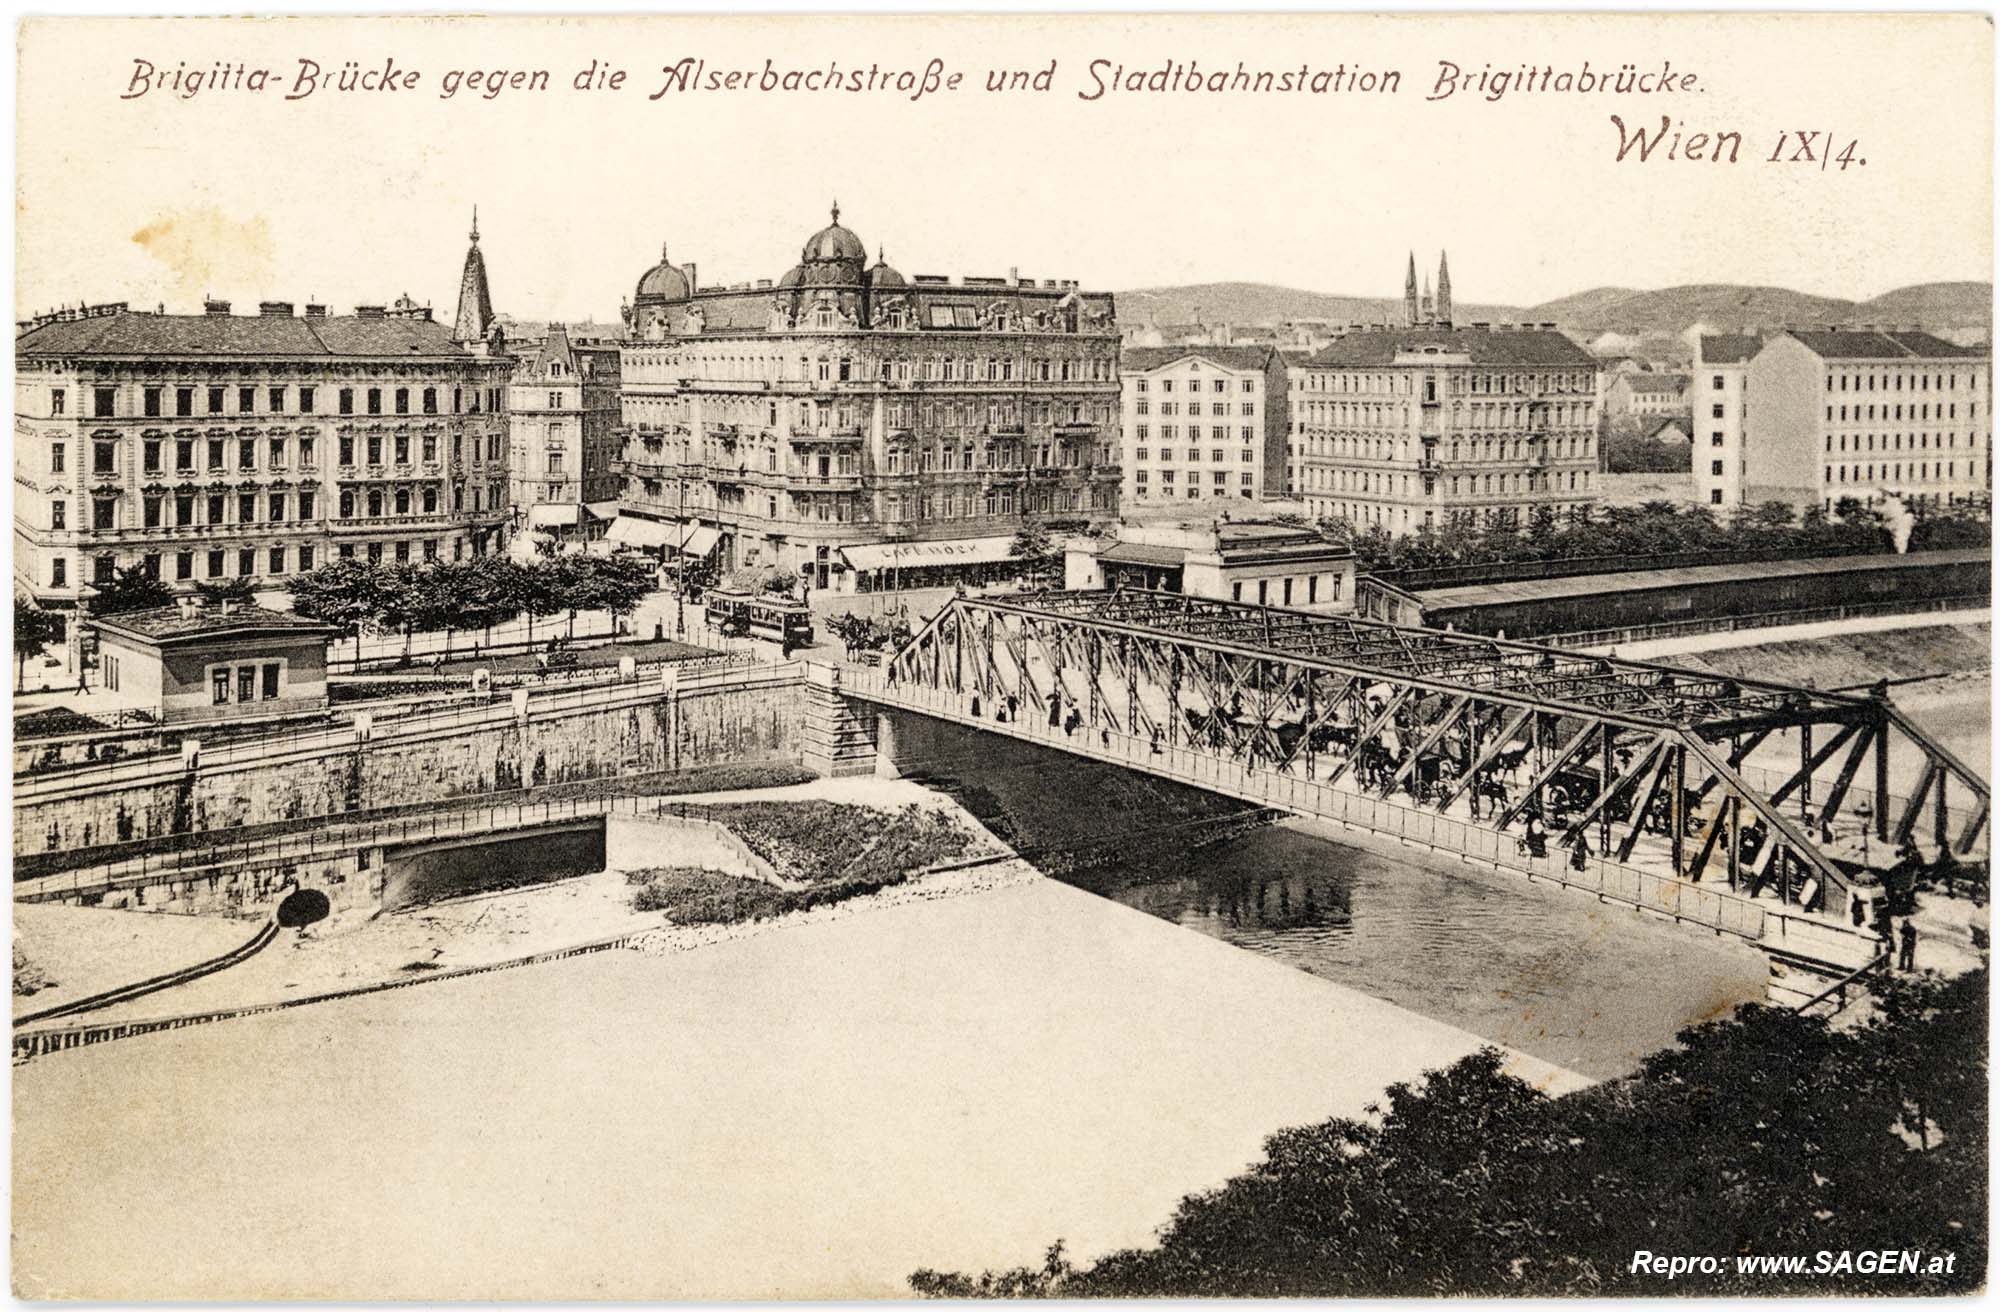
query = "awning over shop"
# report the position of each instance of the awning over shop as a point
(636, 532)
(1144, 553)
(700, 541)
(602, 509)
(548, 515)
(918, 555)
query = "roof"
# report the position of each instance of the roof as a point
(1730, 348)
(1141, 553)
(1695, 576)
(167, 624)
(1656, 382)
(1671, 421)
(1842, 344)
(1487, 346)
(1141, 359)
(179, 335)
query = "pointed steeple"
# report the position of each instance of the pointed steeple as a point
(1428, 308)
(1410, 293)
(475, 301)
(1444, 289)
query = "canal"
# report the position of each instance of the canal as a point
(1593, 987)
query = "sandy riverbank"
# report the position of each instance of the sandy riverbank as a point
(813, 1111)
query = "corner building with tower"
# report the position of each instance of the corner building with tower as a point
(865, 429)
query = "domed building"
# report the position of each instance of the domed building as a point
(863, 428)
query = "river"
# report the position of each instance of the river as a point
(1591, 986)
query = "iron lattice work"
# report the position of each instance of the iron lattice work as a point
(1625, 753)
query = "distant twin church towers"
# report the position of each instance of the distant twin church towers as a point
(1426, 311)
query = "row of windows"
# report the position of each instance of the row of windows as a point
(1894, 441)
(216, 563)
(1921, 471)
(1216, 432)
(277, 507)
(1220, 478)
(1472, 449)
(1216, 455)
(1482, 414)
(1894, 381)
(1192, 491)
(1311, 590)
(105, 452)
(243, 683)
(1218, 408)
(1194, 385)
(848, 369)
(1945, 410)
(1381, 483)
(153, 400)
(1473, 383)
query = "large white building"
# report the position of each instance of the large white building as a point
(1202, 422)
(1812, 417)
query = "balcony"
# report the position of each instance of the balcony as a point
(844, 433)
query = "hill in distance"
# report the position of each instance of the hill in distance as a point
(1951, 308)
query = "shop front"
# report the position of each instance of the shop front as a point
(962, 562)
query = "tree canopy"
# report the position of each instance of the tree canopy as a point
(129, 588)
(1768, 1133)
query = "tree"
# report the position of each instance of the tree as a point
(230, 590)
(1033, 548)
(344, 593)
(129, 589)
(34, 630)
(1767, 1133)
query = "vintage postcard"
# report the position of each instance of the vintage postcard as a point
(702, 658)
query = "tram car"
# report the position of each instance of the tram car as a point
(746, 615)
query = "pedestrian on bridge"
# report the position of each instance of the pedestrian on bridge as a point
(1907, 960)
(1579, 852)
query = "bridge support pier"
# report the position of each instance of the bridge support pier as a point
(840, 736)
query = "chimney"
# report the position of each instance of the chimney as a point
(275, 309)
(189, 603)
(371, 312)
(1014, 275)
(215, 308)
(315, 311)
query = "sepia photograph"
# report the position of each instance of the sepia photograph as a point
(921, 656)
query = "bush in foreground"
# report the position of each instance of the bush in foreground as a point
(1765, 1134)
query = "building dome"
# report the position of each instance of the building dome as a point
(882, 277)
(793, 276)
(835, 244)
(663, 282)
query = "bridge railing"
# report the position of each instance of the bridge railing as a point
(1660, 892)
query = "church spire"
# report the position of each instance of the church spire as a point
(475, 301)
(1444, 289)
(1410, 293)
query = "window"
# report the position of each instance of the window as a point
(59, 515)
(246, 453)
(152, 398)
(58, 400)
(1715, 468)
(215, 396)
(184, 565)
(347, 400)
(59, 573)
(430, 400)
(183, 402)
(246, 683)
(374, 400)
(151, 456)
(1716, 382)
(246, 400)
(306, 395)
(1715, 496)
(103, 513)
(305, 558)
(56, 458)
(1715, 411)
(402, 400)
(277, 560)
(219, 686)
(215, 564)
(271, 680)
(104, 458)
(276, 396)
(1715, 439)
(103, 402)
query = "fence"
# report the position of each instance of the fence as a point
(1520, 571)
(1721, 910)
(1766, 620)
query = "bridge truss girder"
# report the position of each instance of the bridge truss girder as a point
(1612, 750)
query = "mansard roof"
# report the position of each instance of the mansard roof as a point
(198, 335)
(1485, 346)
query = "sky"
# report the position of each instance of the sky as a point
(359, 197)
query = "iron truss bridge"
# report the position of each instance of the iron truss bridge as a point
(1784, 792)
